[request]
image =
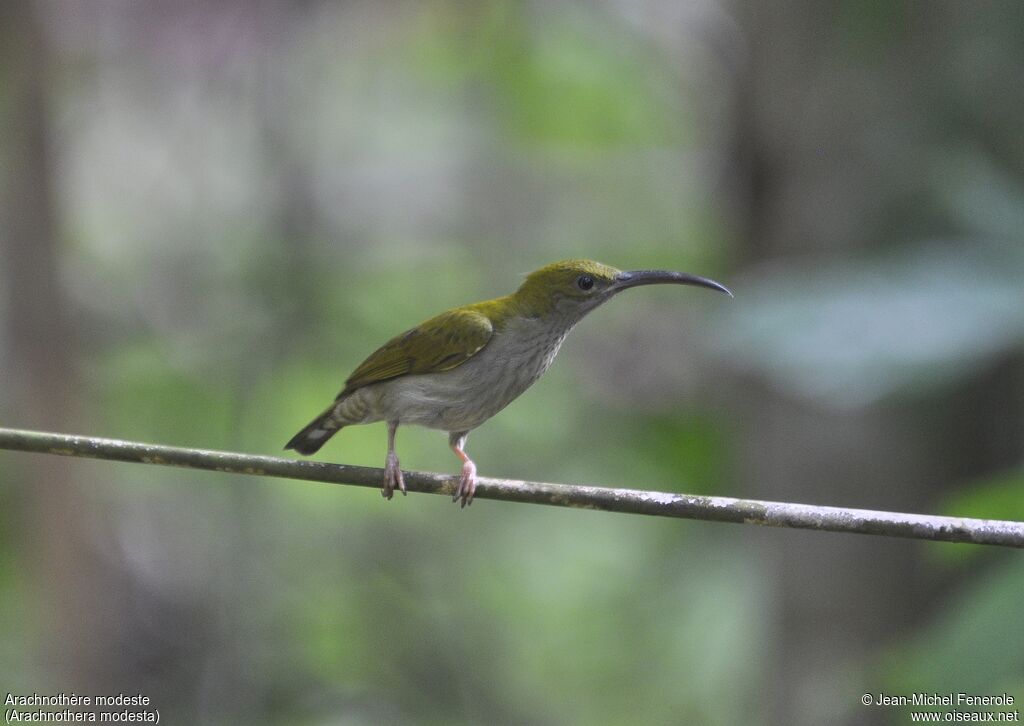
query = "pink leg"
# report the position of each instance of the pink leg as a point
(392, 472)
(467, 482)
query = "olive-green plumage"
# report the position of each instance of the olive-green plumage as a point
(459, 368)
(439, 344)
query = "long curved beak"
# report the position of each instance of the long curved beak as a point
(635, 278)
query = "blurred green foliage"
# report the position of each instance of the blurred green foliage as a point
(250, 202)
(572, 82)
(972, 645)
(1000, 497)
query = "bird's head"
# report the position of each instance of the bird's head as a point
(572, 288)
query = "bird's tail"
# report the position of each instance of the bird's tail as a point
(310, 439)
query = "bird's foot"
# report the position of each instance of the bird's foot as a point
(392, 477)
(467, 484)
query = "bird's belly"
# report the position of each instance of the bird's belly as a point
(463, 398)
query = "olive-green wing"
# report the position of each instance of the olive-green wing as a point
(439, 344)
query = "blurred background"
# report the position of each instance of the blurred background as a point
(212, 211)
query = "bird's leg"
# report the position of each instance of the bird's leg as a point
(392, 472)
(467, 482)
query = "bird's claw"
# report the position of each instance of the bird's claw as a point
(392, 478)
(467, 484)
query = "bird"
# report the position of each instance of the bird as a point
(458, 369)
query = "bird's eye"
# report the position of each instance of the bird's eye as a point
(585, 282)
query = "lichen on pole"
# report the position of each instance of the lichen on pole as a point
(629, 501)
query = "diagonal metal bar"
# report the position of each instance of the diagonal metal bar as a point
(631, 501)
